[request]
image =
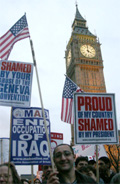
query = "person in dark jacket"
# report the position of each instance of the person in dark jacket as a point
(104, 169)
(64, 159)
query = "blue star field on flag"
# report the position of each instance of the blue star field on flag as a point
(19, 25)
(69, 88)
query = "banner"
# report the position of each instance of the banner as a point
(15, 83)
(4, 150)
(89, 150)
(28, 138)
(95, 119)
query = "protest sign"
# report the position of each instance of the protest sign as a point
(56, 139)
(95, 118)
(28, 137)
(15, 83)
(89, 150)
(4, 150)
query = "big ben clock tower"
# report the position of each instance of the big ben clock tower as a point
(84, 64)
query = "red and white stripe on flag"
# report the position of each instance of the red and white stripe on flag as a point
(17, 32)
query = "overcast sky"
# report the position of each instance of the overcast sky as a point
(50, 29)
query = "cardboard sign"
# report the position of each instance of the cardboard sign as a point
(56, 139)
(15, 83)
(95, 119)
(28, 137)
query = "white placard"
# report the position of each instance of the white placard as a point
(95, 118)
(15, 83)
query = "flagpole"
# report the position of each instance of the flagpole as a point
(35, 64)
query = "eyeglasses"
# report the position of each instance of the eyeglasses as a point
(65, 153)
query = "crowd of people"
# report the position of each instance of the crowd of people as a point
(67, 170)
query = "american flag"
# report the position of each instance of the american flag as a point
(17, 32)
(67, 113)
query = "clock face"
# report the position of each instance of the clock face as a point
(88, 51)
(69, 58)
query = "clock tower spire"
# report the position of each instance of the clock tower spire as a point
(84, 64)
(78, 19)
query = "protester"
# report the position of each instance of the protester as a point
(92, 163)
(47, 169)
(90, 171)
(37, 181)
(64, 159)
(115, 179)
(104, 169)
(80, 162)
(13, 176)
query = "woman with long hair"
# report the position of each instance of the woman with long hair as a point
(9, 176)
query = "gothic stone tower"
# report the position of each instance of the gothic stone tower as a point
(84, 64)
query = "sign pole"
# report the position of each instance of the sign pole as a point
(1, 151)
(35, 64)
(32, 174)
(10, 144)
(97, 163)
